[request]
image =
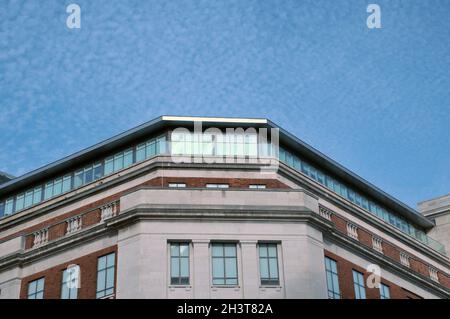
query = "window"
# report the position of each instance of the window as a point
(37, 195)
(9, 206)
(268, 264)
(119, 161)
(238, 143)
(177, 185)
(105, 275)
(36, 289)
(332, 279)
(147, 150)
(384, 292)
(2, 209)
(255, 186)
(58, 186)
(86, 175)
(28, 198)
(69, 283)
(217, 185)
(358, 283)
(20, 201)
(224, 264)
(179, 263)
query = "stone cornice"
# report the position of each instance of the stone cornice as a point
(137, 214)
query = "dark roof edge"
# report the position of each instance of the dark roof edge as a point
(80, 156)
(159, 122)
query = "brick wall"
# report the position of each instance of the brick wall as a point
(202, 181)
(53, 276)
(345, 274)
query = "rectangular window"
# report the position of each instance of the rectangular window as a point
(69, 289)
(28, 198)
(161, 145)
(224, 264)
(332, 279)
(109, 165)
(98, 171)
(364, 203)
(177, 185)
(2, 209)
(255, 186)
(79, 179)
(20, 201)
(88, 175)
(351, 195)
(282, 155)
(358, 283)
(150, 149)
(128, 158)
(384, 292)
(9, 206)
(268, 264)
(118, 162)
(57, 187)
(179, 263)
(140, 152)
(105, 275)
(217, 185)
(67, 183)
(320, 178)
(37, 195)
(36, 289)
(297, 164)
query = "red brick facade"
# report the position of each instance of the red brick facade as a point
(53, 276)
(345, 275)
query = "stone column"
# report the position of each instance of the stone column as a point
(249, 272)
(202, 274)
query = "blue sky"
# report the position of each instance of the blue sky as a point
(376, 101)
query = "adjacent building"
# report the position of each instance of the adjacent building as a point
(438, 210)
(190, 207)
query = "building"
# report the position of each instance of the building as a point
(5, 177)
(160, 212)
(438, 210)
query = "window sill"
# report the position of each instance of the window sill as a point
(180, 286)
